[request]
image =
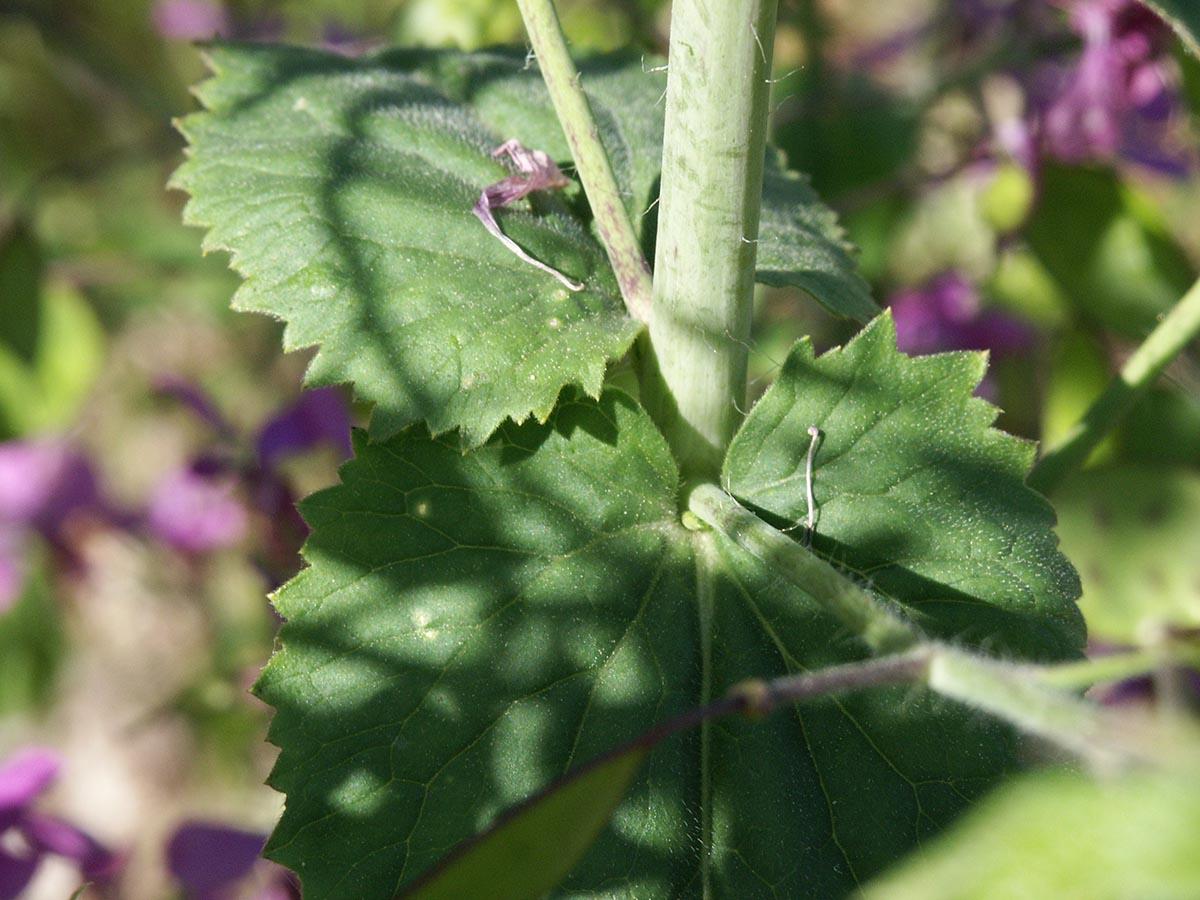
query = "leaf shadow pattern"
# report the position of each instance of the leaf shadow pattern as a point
(916, 493)
(491, 629)
(473, 626)
(344, 190)
(470, 626)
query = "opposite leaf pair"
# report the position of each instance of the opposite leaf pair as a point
(472, 626)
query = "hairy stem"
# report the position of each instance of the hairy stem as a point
(1118, 666)
(1017, 694)
(881, 625)
(694, 380)
(591, 160)
(763, 697)
(1176, 330)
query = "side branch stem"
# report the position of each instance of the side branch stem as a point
(1028, 697)
(591, 159)
(1176, 330)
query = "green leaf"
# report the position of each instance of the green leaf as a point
(914, 491)
(1184, 17)
(20, 292)
(46, 393)
(471, 627)
(526, 854)
(509, 95)
(1135, 535)
(801, 245)
(1105, 244)
(800, 242)
(1064, 835)
(343, 189)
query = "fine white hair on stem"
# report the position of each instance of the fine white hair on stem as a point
(783, 77)
(758, 41)
(664, 67)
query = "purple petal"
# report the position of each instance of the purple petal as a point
(944, 314)
(319, 417)
(999, 333)
(929, 319)
(197, 512)
(281, 885)
(43, 483)
(195, 399)
(340, 39)
(23, 776)
(15, 873)
(207, 857)
(1117, 99)
(53, 835)
(191, 20)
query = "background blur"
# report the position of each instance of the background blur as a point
(1019, 175)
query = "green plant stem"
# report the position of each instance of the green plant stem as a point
(1028, 697)
(1018, 695)
(591, 159)
(882, 626)
(694, 376)
(1176, 330)
(1118, 666)
(1110, 667)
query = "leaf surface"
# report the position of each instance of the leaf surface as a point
(1134, 532)
(1064, 835)
(343, 189)
(800, 244)
(526, 854)
(471, 627)
(914, 491)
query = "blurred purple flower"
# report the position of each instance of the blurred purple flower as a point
(196, 509)
(210, 860)
(209, 503)
(198, 402)
(1144, 689)
(945, 314)
(1117, 99)
(340, 39)
(43, 484)
(318, 417)
(191, 20)
(24, 776)
(46, 487)
(29, 835)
